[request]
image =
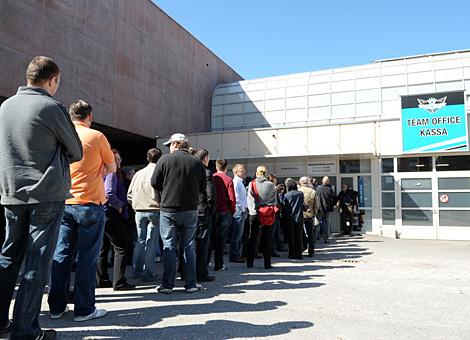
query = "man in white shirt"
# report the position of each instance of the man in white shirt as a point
(240, 215)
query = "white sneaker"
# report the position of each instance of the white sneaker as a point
(98, 313)
(58, 316)
(195, 289)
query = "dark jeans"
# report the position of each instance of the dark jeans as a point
(2, 225)
(115, 231)
(32, 231)
(276, 234)
(265, 242)
(182, 225)
(204, 225)
(81, 233)
(309, 229)
(295, 232)
(238, 223)
(224, 221)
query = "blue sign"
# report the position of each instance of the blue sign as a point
(434, 122)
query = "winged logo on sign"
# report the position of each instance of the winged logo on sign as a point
(432, 104)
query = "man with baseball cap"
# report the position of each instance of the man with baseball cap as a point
(180, 177)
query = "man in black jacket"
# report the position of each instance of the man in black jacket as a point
(206, 211)
(327, 203)
(181, 178)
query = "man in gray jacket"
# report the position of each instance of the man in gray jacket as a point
(37, 144)
(263, 195)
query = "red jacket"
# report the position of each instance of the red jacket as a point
(226, 201)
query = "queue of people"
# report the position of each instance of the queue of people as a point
(67, 202)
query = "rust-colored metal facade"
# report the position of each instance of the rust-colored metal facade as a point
(141, 71)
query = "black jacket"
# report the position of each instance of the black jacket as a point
(294, 206)
(327, 197)
(181, 178)
(207, 200)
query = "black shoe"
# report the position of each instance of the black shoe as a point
(258, 257)
(104, 284)
(125, 286)
(249, 265)
(6, 328)
(208, 278)
(273, 254)
(268, 267)
(47, 334)
(237, 260)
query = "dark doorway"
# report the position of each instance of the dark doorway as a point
(132, 147)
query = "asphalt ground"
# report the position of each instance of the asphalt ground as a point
(363, 287)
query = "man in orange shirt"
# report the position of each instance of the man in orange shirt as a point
(82, 227)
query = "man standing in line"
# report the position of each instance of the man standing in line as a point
(347, 202)
(181, 178)
(82, 228)
(327, 202)
(226, 206)
(37, 144)
(312, 203)
(205, 212)
(239, 217)
(145, 202)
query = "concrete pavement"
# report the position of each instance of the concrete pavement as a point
(363, 287)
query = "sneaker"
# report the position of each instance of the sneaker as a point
(58, 316)
(47, 334)
(221, 268)
(164, 290)
(195, 289)
(237, 260)
(125, 286)
(98, 313)
(208, 278)
(6, 328)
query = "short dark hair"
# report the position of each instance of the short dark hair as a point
(221, 164)
(192, 151)
(153, 155)
(79, 110)
(201, 154)
(41, 69)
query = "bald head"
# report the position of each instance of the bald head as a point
(303, 181)
(325, 180)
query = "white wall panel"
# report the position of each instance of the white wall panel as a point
(367, 83)
(446, 75)
(447, 64)
(211, 142)
(296, 91)
(389, 70)
(319, 78)
(298, 115)
(320, 88)
(450, 86)
(394, 80)
(393, 93)
(254, 119)
(275, 93)
(319, 113)
(235, 144)
(256, 86)
(274, 104)
(273, 84)
(316, 140)
(357, 138)
(391, 107)
(419, 67)
(261, 143)
(337, 76)
(422, 88)
(368, 109)
(275, 117)
(341, 86)
(342, 98)
(420, 77)
(339, 111)
(366, 72)
(254, 95)
(292, 141)
(319, 100)
(372, 95)
(296, 103)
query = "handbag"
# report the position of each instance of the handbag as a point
(266, 213)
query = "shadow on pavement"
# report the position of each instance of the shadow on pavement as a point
(213, 329)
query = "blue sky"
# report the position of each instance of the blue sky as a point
(261, 38)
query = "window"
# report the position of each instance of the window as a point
(454, 183)
(452, 163)
(415, 164)
(387, 164)
(388, 183)
(388, 216)
(354, 166)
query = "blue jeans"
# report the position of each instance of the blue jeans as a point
(148, 243)
(238, 223)
(222, 226)
(180, 224)
(325, 225)
(81, 233)
(31, 234)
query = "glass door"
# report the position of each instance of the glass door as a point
(362, 184)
